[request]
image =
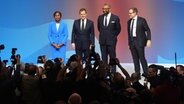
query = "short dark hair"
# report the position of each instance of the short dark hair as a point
(32, 70)
(82, 9)
(154, 67)
(180, 66)
(135, 10)
(57, 12)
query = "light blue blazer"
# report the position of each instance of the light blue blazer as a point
(58, 37)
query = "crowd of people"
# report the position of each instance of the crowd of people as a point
(92, 83)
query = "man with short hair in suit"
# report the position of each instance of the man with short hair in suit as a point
(109, 28)
(83, 36)
(139, 36)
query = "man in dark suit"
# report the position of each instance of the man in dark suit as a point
(83, 36)
(109, 28)
(139, 36)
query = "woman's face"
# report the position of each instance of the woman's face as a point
(57, 17)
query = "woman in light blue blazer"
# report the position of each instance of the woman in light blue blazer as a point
(58, 35)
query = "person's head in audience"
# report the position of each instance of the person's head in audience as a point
(74, 57)
(152, 70)
(180, 70)
(26, 67)
(73, 65)
(75, 98)
(49, 64)
(118, 81)
(118, 78)
(32, 70)
(134, 77)
(40, 70)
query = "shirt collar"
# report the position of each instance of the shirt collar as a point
(135, 18)
(109, 14)
(84, 19)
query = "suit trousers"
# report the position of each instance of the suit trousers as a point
(108, 51)
(138, 55)
(83, 53)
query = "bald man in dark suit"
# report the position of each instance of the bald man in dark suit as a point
(109, 28)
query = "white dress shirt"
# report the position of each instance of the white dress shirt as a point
(85, 20)
(108, 18)
(134, 25)
(57, 26)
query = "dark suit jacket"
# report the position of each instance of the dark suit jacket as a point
(83, 39)
(141, 28)
(108, 35)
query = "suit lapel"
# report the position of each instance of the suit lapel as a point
(87, 24)
(129, 23)
(110, 20)
(54, 25)
(78, 24)
(138, 22)
(102, 20)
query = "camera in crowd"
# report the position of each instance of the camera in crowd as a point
(14, 58)
(41, 59)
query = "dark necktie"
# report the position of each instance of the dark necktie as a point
(105, 20)
(82, 28)
(131, 28)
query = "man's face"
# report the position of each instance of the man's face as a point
(179, 71)
(106, 9)
(57, 17)
(131, 13)
(151, 72)
(83, 14)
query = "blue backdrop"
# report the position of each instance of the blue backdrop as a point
(24, 25)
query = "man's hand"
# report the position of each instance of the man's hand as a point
(148, 44)
(73, 45)
(117, 61)
(90, 46)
